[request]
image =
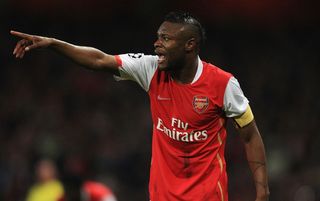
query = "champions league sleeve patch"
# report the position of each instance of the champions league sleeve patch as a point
(135, 56)
(200, 103)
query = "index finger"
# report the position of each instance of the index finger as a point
(20, 34)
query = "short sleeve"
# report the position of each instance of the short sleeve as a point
(137, 67)
(109, 198)
(234, 102)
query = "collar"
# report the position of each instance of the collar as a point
(199, 71)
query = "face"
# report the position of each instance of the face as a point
(45, 171)
(170, 45)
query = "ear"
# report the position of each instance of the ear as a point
(190, 45)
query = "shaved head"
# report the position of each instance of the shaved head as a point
(192, 27)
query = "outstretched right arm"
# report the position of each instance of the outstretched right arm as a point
(88, 57)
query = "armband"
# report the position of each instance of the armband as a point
(245, 118)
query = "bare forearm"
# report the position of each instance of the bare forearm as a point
(88, 57)
(256, 158)
(257, 162)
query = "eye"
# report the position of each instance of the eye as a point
(163, 37)
(166, 38)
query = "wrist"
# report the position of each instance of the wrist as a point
(263, 196)
(52, 42)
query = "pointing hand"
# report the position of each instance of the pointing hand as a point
(28, 42)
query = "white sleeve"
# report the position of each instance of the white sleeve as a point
(109, 198)
(138, 67)
(234, 101)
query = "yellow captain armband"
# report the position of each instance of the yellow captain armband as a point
(245, 118)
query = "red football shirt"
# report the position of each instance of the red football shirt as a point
(189, 129)
(95, 191)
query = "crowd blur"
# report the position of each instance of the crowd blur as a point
(95, 128)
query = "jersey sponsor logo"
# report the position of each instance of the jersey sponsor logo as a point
(179, 131)
(200, 103)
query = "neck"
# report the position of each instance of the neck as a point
(185, 74)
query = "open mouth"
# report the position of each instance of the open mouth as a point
(161, 58)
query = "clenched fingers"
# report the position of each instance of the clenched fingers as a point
(20, 48)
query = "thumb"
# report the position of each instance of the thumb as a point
(31, 47)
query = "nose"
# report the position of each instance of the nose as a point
(157, 43)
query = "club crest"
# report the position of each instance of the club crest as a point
(200, 103)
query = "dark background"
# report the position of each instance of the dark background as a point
(94, 127)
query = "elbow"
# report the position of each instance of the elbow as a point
(97, 64)
(104, 62)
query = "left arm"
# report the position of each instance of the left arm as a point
(236, 106)
(256, 158)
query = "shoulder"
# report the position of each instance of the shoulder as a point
(56, 186)
(135, 58)
(215, 73)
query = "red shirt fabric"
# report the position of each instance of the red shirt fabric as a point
(95, 191)
(188, 137)
(189, 128)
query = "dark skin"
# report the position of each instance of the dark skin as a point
(177, 47)
(256, 158)
(87, 57)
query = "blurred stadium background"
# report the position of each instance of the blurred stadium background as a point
(94, 127)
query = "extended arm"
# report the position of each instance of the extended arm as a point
(256, 158)
(88, 57)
